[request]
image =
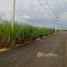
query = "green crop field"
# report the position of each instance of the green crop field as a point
(20, 34)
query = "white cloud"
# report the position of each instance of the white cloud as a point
(26, 17)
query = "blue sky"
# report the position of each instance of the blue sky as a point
(36, 12)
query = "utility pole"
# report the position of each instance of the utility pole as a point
(57, 23)
(13, 14)
(12, 22)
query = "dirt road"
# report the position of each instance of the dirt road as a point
(49, 52)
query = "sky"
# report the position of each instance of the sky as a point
(46, 13)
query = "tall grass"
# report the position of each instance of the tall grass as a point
(5, 29)
(20, 34)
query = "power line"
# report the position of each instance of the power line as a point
(50, 10)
